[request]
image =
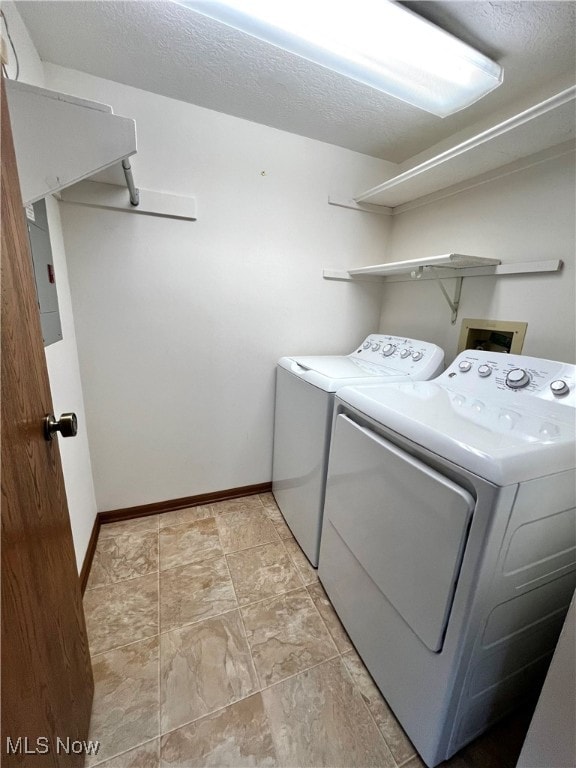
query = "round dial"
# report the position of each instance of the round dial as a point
(405, 353)
(416, 356)
(375, 347)
(517, 378)
(484, 371)
(366, 345)
(559, 387)
(388, 349)
(464, 366)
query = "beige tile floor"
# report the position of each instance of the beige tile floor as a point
(214, 644)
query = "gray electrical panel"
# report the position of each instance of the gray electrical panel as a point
(44, 272)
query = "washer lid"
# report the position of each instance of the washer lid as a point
(497, 439)
(332, 372)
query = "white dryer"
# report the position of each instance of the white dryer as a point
(305, 388)
(449, 538)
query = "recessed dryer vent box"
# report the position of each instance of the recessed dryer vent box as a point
(492, 335)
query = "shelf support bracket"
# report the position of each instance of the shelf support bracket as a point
(132, 189)
(453, 303)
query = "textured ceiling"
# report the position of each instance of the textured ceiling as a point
(165, 48)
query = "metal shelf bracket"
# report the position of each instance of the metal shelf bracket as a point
(453, 303)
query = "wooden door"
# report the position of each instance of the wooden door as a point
(47, 682)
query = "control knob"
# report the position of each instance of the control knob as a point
(559, 387)
(517, 378)
(405, 353)
(388, 350)
(416, 356)
(484, 371)
(465, 366)
(375, 347)
(366, 345)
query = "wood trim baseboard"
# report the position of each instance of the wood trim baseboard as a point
(115, 515)
(89, 556)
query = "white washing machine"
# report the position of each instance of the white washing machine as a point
(305, 388)
(449, 538)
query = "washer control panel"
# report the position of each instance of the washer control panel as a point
(401, 355)
(490, 372)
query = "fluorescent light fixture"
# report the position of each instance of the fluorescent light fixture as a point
(375, 42)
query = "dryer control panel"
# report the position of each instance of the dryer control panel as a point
(401, 356)
(527, 377)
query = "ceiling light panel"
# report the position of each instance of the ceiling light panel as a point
(375, 42)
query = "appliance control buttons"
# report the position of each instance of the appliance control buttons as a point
(366, 345)
(484, 371)
(375, 347)
(517, 378)
(405, 353)
(464, 366)
(416, 356)
(549, 431)
(388, 349)
(559, 387)
(508, 419)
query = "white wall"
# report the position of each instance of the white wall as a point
(67, 395)
(61, 357)
(526, 216)
(30, 66)
(180, 324)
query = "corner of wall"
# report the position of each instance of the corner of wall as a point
(30, 65)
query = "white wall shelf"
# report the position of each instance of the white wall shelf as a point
(449, 265)
(450, 260)
(548, 124)
(60, 139)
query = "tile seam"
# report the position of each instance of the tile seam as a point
(300, 672)
(357, 689)
(243, 627)
(191, 562)
(330, 658)
(370, 715)
(139, 744)
(208, 714)
(124, 752)
(122, 581)
(121, 534)
(125, 645)
(199, 621)
(276, 594)
(307, 587)
(216, 615)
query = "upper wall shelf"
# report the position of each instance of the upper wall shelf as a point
(449, 265)
(445, 266)
(548, 124)
(450, 260)
(60, 139)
